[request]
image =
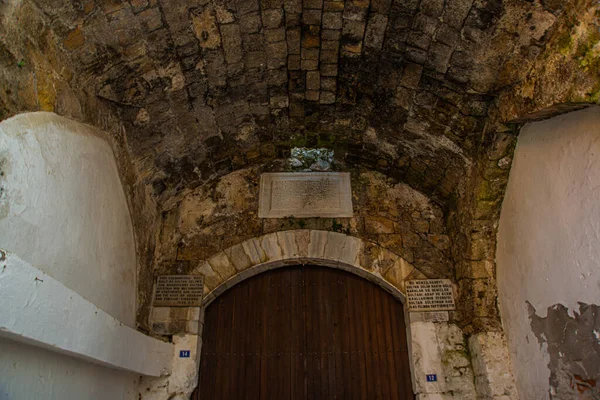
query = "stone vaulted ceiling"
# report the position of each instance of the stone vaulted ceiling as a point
(206, 87)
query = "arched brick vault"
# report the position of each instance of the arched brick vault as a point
(420, 90)
(203, 87)
(331, 249)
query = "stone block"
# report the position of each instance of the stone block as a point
(332, 20)
(316, 246)
(287, 243)
(238, 257)
(254, 251)
(352, 49)
(255, 59)
(160, 314)
(433, 8)
(151, 19)
(270, 245)
(279, 101)
(456, 12)
(418, 40)
(327, 97)
(439, 57)
(492, 365)
(377, 224)
(311, 17)
(312, 95)
(250, 23)
(272, 18)
(294, 62)
(206, 29)
(334, 247)
(397, 274)
(329, 84)
(309, 65)
(353, 30)
(211, 278)
(313, 80)
(351, 251)
(376, 31)
(411, 76)
(276, 54)
(355, 10)
(329, 57)
(425, 24)
(330, 45)
(331, 34)
(333, 6)
(222, 266)
(232, 43)
(292, 6)
(275, 35)
(310, 54)
(293, 40)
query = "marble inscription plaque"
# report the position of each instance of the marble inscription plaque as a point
(430, 295)
(310, 194)
(179, 291)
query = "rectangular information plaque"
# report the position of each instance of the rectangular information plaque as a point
(179, 291)
(430, 295)
(305, 194)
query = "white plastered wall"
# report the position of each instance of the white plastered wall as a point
(548, 242)
(28, 372)
(67, 267)
(63, 209)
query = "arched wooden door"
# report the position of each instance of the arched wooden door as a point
(304, 333)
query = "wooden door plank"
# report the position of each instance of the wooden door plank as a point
(305, 333)
(344, 332)
(394, 379)
(381, 342)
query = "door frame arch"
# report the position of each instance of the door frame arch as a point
(329, 249)
(336, 250)
(434, 346)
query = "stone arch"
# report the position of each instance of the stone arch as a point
(331, 249)
(433, 346)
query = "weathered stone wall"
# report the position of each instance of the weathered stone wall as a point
(531, 86)
(565, 75)
(223, 213)
(439, 347)
(202, 234)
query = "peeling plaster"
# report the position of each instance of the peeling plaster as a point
(574, 349)
(547, 255)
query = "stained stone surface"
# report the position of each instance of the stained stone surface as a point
(412, 94)
(305, 195)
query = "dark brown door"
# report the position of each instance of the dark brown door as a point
(304, 333)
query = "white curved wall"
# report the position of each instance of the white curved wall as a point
(63, 209)
(548, 252)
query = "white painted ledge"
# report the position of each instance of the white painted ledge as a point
(38, 310)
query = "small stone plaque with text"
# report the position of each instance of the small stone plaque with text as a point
(179, 291)
(430, 295)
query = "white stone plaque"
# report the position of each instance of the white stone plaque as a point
(179, 291)
(430, 295)
(300, 194)
(429, 316)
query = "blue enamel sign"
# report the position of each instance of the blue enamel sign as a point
(184, 354)
(431, 378)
